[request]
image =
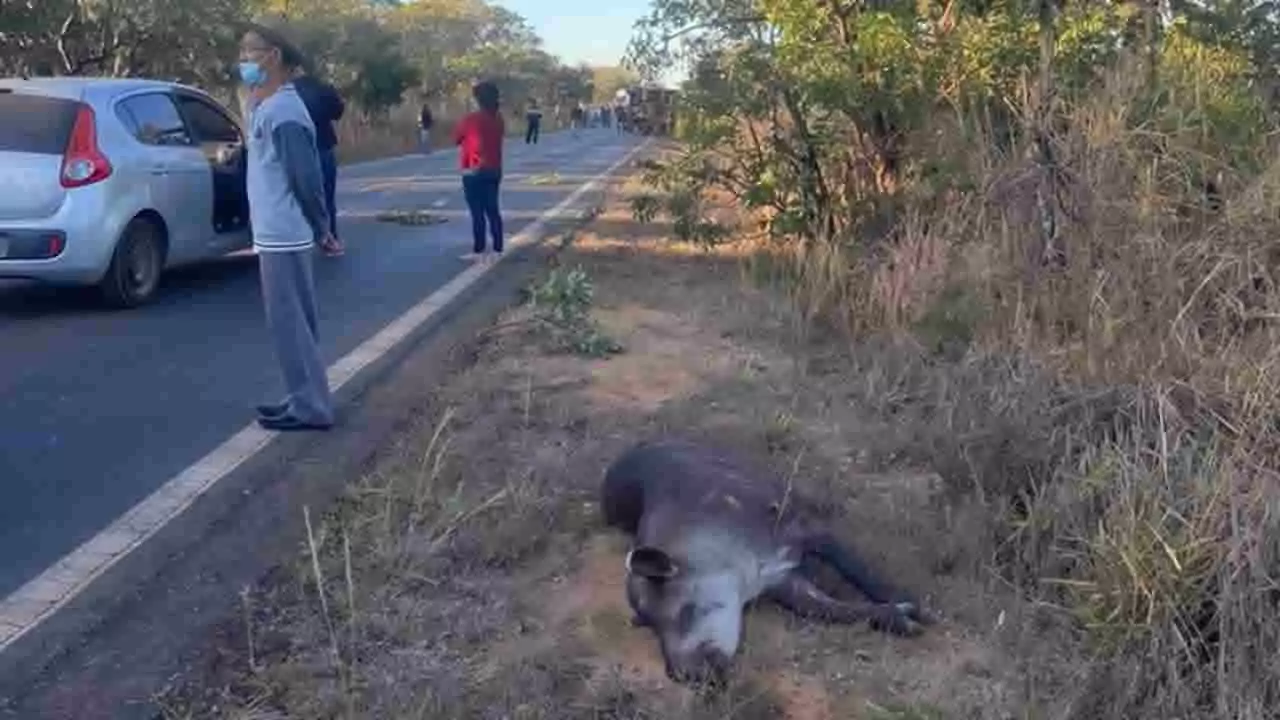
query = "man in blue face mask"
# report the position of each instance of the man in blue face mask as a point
(288, 214)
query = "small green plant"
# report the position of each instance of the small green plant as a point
(678, 191)
(645, 208)
(562, 310)
(685, 206)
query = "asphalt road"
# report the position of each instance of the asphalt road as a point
(100, 408)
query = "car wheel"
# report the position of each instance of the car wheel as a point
(136, 265)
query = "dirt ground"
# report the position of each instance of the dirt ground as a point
(470, 576)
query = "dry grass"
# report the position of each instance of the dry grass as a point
(361, 139)
(1112, 418)
(1073, 463)
(470, 577)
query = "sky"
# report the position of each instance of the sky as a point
(595, 32)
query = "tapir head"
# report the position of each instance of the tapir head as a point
(697, 617)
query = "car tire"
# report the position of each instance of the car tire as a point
(136, 265)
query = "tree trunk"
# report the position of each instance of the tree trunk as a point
(1047, 192)
(813, 186)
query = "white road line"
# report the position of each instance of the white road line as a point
(60, 583)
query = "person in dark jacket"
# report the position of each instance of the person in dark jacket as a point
(533, 118)
(425, 121)
(325, 106)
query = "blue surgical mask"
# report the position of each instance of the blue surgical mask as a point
(251, 74)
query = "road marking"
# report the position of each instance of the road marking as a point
(439, 203)
(37, 600)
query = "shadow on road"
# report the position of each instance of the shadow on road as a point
(23, 299)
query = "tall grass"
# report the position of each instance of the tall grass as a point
(363, 138)
(1115, 413)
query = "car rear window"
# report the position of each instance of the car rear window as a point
(35, 124)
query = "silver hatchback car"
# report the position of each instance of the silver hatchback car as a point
(109, 182)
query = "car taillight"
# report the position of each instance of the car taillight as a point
(83, 162)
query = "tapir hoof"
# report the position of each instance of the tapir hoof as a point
(896, 618)
(923, 616)
(915, 612)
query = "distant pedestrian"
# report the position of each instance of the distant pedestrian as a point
(533, 119)
(287, 211)
(325, 106)
(479, 138)
(577, 118)
(425, 121)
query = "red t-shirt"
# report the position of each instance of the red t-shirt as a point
(479, 139)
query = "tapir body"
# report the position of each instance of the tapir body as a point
(711, 535)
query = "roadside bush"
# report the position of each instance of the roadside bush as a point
(562, 313)
(1070, 218)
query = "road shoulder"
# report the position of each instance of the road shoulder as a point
(467, 573)
(113, 647)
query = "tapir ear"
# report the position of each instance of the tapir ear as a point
(652, 563)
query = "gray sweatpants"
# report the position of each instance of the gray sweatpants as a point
(289, 294)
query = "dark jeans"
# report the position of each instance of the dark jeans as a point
(481, 191)
(329, 168)
(535, 127)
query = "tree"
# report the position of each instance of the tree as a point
(174, 39)
(375, 51)
(607, 80)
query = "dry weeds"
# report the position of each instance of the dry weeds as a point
(470, 576)
(362, 139)
(1106, 422)
(1074, 463)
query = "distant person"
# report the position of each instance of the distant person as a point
(479, 139)
(425, 121)
(287, 212)
(533, 120)
(325, 106)
(577, 118)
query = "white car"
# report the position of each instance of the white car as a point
(109, 182)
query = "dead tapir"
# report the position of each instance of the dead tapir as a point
(710, 537)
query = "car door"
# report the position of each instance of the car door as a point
(177, 174)
(221, 142)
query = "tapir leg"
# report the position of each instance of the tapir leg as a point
(852, 568)
(799, 595)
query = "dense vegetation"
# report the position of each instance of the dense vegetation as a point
(1069, 213)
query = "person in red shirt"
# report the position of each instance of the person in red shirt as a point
(479, 138)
